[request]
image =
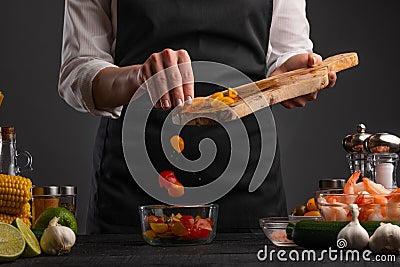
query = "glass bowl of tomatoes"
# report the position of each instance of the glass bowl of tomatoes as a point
(167, 225)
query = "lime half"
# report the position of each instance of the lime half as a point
(66, 218)
(12, 243)
(32, 247)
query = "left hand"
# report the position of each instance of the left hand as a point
(297, 62)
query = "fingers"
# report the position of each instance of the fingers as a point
(300, 101)
(169, 78)
(332, 79)
(314, 59)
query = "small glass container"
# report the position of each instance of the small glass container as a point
(383, 168)
(68, 197)
(44, 197)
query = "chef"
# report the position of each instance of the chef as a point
(110, 48)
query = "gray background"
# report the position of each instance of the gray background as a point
(61, 139)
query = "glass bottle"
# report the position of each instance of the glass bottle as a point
(9, 154)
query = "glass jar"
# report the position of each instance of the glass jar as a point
(383, 168)
(359, 162)
(68, 198)
(44, 197)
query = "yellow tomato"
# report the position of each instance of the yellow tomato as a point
(159, 228)
(177, 143)
(217, 95)
(232, 93)
(311, 205)
(312, 213)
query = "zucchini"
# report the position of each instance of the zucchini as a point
(321, 234)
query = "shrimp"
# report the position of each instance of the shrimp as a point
(374, 214)
(334, 214)
(349, 186)
(374, 188)
(393, 206)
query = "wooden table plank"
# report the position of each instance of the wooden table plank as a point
(130, 250)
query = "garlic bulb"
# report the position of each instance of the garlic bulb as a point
(354, 234)
(386, 238)
(57, 239)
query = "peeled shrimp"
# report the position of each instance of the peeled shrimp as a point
(374, 188)
(393, 206)
(349, 186)
(375, 214)
(337, 214)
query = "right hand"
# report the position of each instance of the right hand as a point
(173, 81)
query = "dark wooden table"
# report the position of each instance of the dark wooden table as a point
(225, 250)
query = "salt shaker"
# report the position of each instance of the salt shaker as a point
(383, 158)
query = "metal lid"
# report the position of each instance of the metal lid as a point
(51, 190)
(331, 183)
(68, 190)
(355, 142)
(382, 143)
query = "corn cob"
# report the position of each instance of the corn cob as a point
(15, 192)
(7, 218)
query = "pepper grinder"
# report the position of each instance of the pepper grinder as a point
(356, 153)
(383, 158)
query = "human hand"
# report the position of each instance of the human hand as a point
(172, 84)
(297, 62)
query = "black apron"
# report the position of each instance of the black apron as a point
(234, 33)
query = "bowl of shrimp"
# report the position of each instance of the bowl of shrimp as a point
(375, 202)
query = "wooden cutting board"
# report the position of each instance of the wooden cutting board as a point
(266, 92)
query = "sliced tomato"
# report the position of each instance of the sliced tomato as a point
(188, 222)
(166, 178)
(176, 190)
(203, 224)
(201, 229)
(155, 219)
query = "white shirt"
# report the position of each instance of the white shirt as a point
(89, 38)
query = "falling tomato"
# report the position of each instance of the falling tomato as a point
(177, 143)
(168, 180)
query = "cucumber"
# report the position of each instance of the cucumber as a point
(321, 234)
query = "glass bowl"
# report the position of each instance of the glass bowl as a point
(334, 206)
(166, 225)
(276, 229)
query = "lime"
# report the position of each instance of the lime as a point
(66, 218)
(12, 243)
(32, 247)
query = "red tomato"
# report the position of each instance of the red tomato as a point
(166, 179)
(188, 221)
(201, 229)
(203, 224)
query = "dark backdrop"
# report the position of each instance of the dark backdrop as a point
(61, 139)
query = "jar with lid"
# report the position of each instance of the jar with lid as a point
(68, 197)
(44, 197)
